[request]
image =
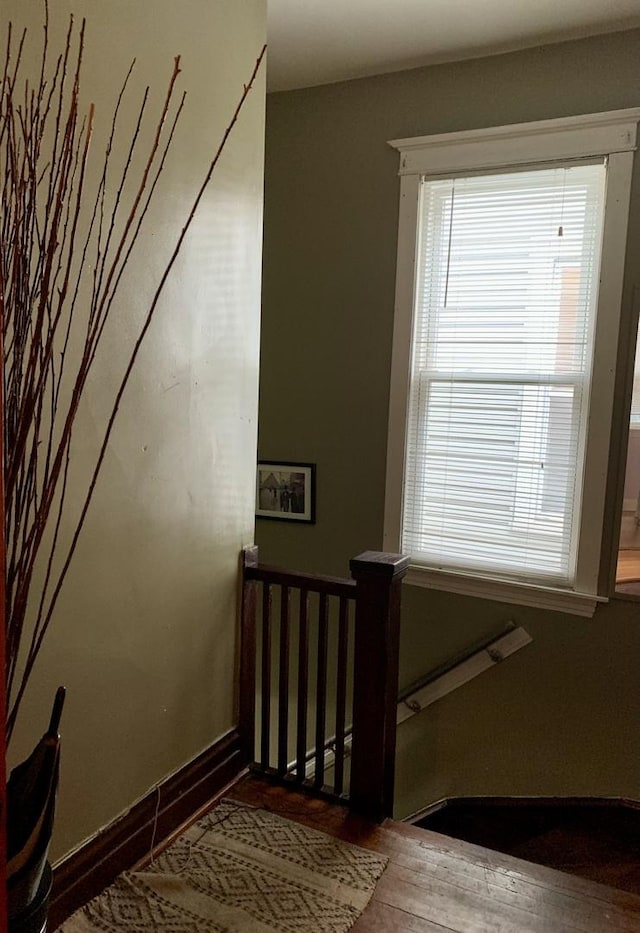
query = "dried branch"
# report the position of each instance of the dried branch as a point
(58, 288)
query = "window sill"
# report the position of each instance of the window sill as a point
(503, 591)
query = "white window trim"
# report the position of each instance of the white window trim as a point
(612, 135)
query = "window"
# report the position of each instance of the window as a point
(634, 418)
(509, 284)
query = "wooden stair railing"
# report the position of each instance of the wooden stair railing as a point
(319, 657)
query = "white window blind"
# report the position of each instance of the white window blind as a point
(503, 324)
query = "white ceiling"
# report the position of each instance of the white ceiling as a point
(321, 41)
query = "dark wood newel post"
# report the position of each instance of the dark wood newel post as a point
(375, 689)
(247, 691)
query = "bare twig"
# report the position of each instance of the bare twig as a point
(57, 291)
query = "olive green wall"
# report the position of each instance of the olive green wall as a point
(562, 715)
(145, 633)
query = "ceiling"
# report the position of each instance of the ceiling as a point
(322, 41)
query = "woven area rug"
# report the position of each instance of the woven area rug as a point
(240, 869)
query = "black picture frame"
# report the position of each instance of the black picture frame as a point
(286, 491)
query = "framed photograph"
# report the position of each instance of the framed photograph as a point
(286, 491)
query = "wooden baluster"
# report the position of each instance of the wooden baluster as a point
(303, 685)
(375, 696)
(283, 692)
(341, 698)
(265, 731)
(247, 697)
(321, 688)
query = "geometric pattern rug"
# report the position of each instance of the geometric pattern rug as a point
(240, 869)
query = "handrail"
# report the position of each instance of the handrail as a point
(451, 663)
(313, 583)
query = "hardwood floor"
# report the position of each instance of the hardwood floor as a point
(628, 564)
(598, 840)
(435, 884)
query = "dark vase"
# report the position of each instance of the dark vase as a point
(31, 800)
(33, 919)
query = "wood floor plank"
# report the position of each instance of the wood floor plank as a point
(530, 899)
(458, 911)
(436, 884)
(579, 913)
(380, 918)
(517, 868)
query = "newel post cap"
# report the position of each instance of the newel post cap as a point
(379, 564)
(249, 556)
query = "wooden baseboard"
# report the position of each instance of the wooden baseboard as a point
(451, 803)
(128, 839)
